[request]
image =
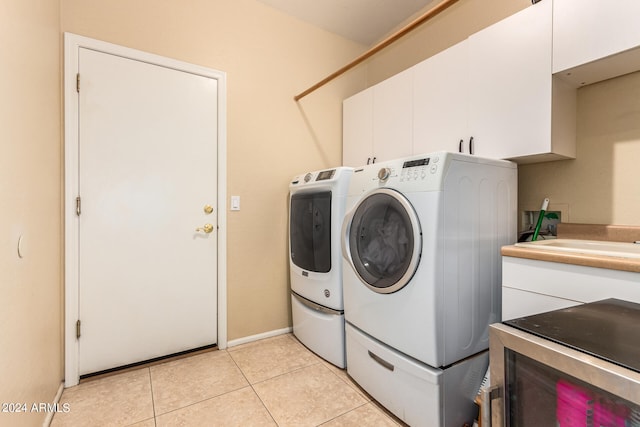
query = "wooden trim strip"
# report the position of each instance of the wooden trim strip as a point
(381, 45)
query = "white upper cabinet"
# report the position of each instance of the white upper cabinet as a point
(392, 106)
(377, 122)
(510, 84)
(511, 87)
(440, 104)
(492, 95)
(588, 30)
(357, 129)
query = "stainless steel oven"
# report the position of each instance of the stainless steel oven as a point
(578, 366)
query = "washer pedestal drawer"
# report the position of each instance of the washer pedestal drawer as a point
(319, 328)
(418, 394)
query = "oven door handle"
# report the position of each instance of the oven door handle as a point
(489, 394)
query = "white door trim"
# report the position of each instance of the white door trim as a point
(72, 44)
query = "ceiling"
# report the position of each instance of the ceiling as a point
(363, 21)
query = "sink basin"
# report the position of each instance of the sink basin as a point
(594, 247)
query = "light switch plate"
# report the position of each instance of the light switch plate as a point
(235, 203)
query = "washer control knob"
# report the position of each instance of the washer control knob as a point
(383, 174)
(308, 177)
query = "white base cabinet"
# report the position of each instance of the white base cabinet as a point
(531, 286)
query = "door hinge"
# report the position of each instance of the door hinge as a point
(78, 329)
(78, 206)
(78, 82)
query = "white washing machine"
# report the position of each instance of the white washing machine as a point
(316, 210)
(422, 279)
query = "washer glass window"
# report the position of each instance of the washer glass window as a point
(310, 231)
(382, 241)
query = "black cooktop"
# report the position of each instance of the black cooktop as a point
(608, 329)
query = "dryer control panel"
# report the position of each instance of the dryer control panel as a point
(335, 180)
(327, 175)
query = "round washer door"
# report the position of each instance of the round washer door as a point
(384, 240)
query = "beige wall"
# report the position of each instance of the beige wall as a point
(30, 191)
(268, 58)
(601, 185)
(451, 26)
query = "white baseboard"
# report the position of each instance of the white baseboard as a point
(56, 400)
(257, 337)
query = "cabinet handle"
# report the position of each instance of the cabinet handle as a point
(460, 146)
(471, 145)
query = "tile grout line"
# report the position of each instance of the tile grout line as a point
(320, 362)
(367, 401)
(354, 386)
(201, 401)
(343, 414)
(286, 373)
(153, 401)
(207, 398)
(253, 389)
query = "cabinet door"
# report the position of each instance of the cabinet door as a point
(392, 116)
(357, 128)
(587, 30)
(510, 85)
(440, 90)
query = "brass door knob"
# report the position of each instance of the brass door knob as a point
(208, 228)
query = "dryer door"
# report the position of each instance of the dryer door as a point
(310, 231)
(384, 240)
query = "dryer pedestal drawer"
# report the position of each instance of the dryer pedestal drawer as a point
(418, 394)
(320, 329)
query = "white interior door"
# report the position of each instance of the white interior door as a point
(147, 170)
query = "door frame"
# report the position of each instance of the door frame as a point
(72, 44)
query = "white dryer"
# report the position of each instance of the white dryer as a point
(316, 210)
(422, 279)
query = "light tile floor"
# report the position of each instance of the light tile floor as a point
(271, 382)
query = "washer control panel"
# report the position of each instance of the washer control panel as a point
(419, 169)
